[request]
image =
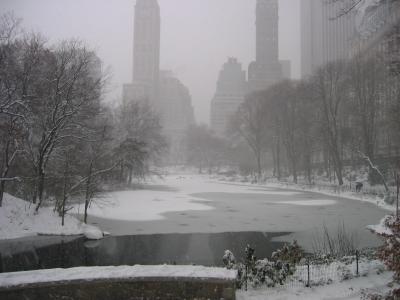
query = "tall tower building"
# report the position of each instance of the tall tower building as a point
(177, 113)
(146, 53)
(325, 37)
(311, 36)
(166, 94)
(231, 88)
(266, 69)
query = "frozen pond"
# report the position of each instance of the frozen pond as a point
(192, 220)
(195, 204)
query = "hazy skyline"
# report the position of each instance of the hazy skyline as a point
(197, 36)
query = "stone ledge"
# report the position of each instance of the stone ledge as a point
(133, 283)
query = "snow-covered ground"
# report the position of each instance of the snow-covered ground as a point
(346, 290)
(335, 281)
(18, 219)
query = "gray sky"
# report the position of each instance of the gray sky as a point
(197, 36)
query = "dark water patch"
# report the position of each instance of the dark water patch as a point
(155, 187)
(200, 249)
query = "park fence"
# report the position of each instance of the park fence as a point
(315, 273)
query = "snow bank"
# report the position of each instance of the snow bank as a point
(309, 202)
(380, 202)
(18, 219)
(121, 272)
(92, 232)
(381, 228)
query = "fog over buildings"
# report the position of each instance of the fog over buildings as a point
(263, 72)
(197, 36)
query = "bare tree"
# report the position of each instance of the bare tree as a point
(204, 149)
(65, 89)
(376, 169)
(9, 147)
(307, 130)
(140, 139)
(331, 89)
(10, 103)
(85, 163)
(366, 84)
(250, 123)
(349, 6)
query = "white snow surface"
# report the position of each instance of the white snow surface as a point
(381, 228)
(92, 232)
(149, 205)
(306, 188)
(120, 272)
(373, 278)
(309, 202)
(142, 205)
(346, 290)
(18, 219)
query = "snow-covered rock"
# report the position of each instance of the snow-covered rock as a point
(92, 233)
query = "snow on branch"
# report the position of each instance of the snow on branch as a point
(375, 168)
(11, 179)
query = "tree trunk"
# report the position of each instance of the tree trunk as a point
(121, 172)
(274, 172)
(130, 176)
(259, 171)
(63, 209)
(87, 194)
(294, 170)
(278, 160)
(308, 168)
(2, 186)
(64, 200)
(40, 189)
(337, 165)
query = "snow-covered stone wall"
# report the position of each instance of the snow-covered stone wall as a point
(136, 282)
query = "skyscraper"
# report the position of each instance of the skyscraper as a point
(146, 53)
(266, 69)
(231, 88)
(166, 94)
(325, 37)
(177, 114)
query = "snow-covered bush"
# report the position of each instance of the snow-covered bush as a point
(344, 272)
(390, 252)
(392, 295)
(229, 260)
(291, 253)
(265, 272)
(270, 273)
(389, 230)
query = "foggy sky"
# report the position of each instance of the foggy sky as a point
(197, 36)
